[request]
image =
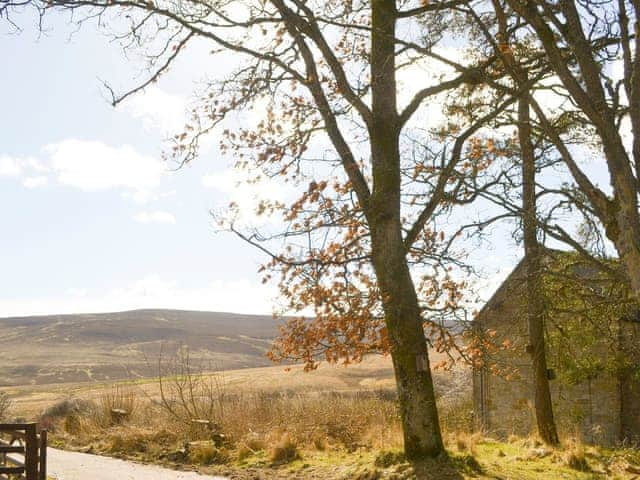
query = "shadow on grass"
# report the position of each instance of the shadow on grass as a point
(447, 468)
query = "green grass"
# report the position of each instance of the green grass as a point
(490, 460)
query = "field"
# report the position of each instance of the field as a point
(54, 349)
(374, 373)
(261, 422)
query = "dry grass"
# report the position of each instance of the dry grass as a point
(317, 434)
(374, 373)
(337, 436)
(575, 456)
(5, 406)
(466, 442)
(117, 405)
(251, 421)
(285, 451)
(203, 453)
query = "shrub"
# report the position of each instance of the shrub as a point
(576, 458)
(66, 407)
(72, 424)
(285, 451)
(188, 392)
(253, 442)
(128, 442)
(207, 454)
(116, 406)
(467, 442)
(513, 438)
(387, 458)
(244, 452)
(319, 443)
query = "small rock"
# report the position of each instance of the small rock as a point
(177, 455)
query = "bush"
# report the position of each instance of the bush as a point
(72, 424)
(202, 453)
(285, 451)
(117, 406)
(576, 458)
(387, 458)
(66, 407)
(244, 452)
(128, 442)
(319, 443)
(466, 442)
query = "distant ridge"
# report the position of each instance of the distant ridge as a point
(107, 346)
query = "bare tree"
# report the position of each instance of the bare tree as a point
(583, 41)
(361, 245)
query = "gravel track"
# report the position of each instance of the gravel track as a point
(63, 465)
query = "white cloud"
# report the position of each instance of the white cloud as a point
(233, 185)
(35, 182)
(16, 167)
(94, 166)
(151, 291)
(150, 286)
(29, 170)
(91, 166)
(77, 292)
(158, 110)
(34, 165)
(550, 102)
(155, 217)
(10, 167)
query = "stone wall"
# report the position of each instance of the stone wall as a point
(503, 391)
(630, 384)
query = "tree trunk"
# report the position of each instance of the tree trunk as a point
(535, 300)
(421, 428)
(422, 437)
(621, 218)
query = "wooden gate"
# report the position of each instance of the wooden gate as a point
(23, 452)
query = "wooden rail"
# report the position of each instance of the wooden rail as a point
(23, 452)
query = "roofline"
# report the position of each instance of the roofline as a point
(520, 265)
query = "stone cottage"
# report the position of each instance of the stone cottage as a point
(594, 365)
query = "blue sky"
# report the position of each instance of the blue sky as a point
(92, 218)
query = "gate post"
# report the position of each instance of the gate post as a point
(31, 452)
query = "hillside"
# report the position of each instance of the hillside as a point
(97, 347)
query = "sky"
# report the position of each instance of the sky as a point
(92, 219)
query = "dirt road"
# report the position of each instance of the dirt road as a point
(82, 466)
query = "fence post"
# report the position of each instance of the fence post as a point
(42, 471)
(31, 452)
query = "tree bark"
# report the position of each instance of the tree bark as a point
(535, 300)
(621, 218)
(419, 414)
(422, 436)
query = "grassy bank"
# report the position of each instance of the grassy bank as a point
(334, 424)
(317, 436)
